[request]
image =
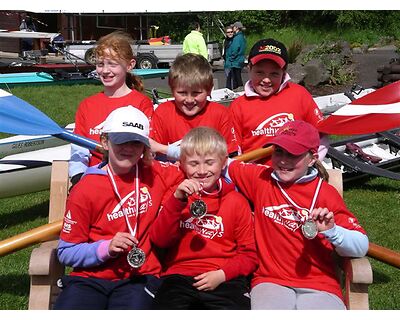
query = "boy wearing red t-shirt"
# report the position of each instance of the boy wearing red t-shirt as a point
(300, 221)
(191, 81)
(207, 229)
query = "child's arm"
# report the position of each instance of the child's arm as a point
(165, 231)
(86, 255)
(348, 243)
(173, 151)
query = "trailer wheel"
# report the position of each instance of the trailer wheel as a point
(146, 61)
(90, 56)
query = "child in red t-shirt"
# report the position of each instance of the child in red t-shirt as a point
(114, 63)
(270, 99)
(207, 228)
(300, 221)
(105, 235)
(191, 81)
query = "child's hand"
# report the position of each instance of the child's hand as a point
(121, 242)
(186, 188)
(323, 218)
(209, 280)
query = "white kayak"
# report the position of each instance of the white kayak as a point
(24, 143)
(30, 171)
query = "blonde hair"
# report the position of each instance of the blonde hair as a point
(191, 70)
(203, 141)
(147, 154)
(119, 43)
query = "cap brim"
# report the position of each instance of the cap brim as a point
(123, 137)
(290, 146)
(267, 56)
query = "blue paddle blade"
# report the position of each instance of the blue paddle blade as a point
(20, 117)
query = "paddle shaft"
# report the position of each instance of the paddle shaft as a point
(43, 233)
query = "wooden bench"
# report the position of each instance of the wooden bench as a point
(45, 269)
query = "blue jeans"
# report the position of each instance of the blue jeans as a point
(79, 293)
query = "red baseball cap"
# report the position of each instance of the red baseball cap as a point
(269, 49)
(297, 137)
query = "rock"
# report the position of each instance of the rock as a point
(296, 72)
(316, 73)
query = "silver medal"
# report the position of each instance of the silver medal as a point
(136, 257)
(198, 209)
(309, 229)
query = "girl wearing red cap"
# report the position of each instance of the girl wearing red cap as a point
(270, 99)
(300, 221)
(114, 63)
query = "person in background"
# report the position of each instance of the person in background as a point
(191, 81)
(227, 43)
(270, 99)
(29, 25)
(114, 63)
(235, 58)
(194, 42)
(300, 222)
(211, 252)
(105, 234)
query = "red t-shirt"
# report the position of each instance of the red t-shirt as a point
(93, 111)
(222, 239)
(94, 212)
(286, 257)
(169, 124)
(256, 120)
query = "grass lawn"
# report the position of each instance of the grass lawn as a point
(375, 202)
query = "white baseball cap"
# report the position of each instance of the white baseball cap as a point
(127, 124)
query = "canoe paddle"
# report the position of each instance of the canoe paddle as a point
(19, 117)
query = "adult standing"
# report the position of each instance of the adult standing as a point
(194, 42)
(227, 43)
(235, 54)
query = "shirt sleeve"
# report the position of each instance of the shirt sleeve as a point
(165, 231)
(79, 160)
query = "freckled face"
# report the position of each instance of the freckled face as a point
(112, 72)
(266, 77)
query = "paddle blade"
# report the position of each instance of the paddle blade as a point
(374, 112)
(19, 117)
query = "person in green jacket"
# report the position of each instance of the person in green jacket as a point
(194, 41)
(235, 56)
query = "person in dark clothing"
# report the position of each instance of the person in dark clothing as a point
(236, 54)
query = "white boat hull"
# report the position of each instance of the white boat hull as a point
(30, 171)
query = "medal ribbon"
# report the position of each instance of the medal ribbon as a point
(216, 192)
(111, 176)
(316, 192)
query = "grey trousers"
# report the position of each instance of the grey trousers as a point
(270, 296)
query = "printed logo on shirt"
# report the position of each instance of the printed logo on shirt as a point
(209, 226)
(97, 129)
(68, 222)
(127, 206)
(353, 222)
(285, 215)
(270, 126)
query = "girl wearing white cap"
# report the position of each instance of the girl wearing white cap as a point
(108, 215)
